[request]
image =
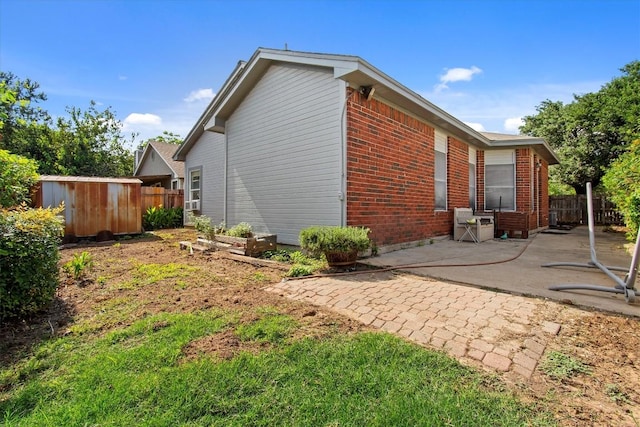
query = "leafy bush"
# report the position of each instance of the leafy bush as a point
(241, 230)
(203, 226)
(17, 176)
(304, 265)
(322, 239)
(157, 218)
(622, 182)
(28, 259)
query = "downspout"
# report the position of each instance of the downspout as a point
(343, 156)
(225, 180)
(538, 167)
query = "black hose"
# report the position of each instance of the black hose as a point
(410, 266)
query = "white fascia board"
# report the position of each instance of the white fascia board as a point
(379, 77)
(199, 127)
(142, 158)
(547, 152)
(261, 60)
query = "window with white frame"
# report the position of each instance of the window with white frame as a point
(472, 178)
(441, 170)
(500, 180)
(194, 184)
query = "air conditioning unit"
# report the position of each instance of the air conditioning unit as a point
(192, 205)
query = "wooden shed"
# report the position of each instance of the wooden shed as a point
(93, 205)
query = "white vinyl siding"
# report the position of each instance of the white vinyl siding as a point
(207, 155)
(284, 153)
(441, 170)
(500, 180)
(472, 178)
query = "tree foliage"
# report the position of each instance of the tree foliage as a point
(167, 137)
(622, 182)
(86, 142)
(18, 175)
(592, 131)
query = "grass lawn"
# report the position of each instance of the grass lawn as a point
(140, 375)
(162, 337)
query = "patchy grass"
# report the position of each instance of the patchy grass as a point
(561, 366)
(139, 375)
(148, 274)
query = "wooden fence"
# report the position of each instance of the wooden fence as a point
(573, 210)
(158, 196)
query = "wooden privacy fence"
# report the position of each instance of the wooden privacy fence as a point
(158, 196)
(573, 210)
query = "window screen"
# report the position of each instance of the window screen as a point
(500, 187)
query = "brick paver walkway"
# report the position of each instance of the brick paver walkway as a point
(502, 332)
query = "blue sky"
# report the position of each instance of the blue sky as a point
(158, 63)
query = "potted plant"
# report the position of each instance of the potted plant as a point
(340, 245)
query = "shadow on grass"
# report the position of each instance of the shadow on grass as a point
(20, 335)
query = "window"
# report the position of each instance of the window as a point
(194, 184)
(499, 180)
(441, 171)
(472, 178)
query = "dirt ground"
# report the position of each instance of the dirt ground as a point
(114, 297)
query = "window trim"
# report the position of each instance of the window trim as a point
(440, 146)
(499, 158)
(197, 169)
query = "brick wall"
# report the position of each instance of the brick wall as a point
(390, 175)
(457, 175)
(480, 180)
(390, 184)
(523, 180)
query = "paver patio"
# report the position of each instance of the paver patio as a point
(500, 331)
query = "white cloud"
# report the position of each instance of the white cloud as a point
(142, 119)
(476, 126)
(200, 94)
(457, 75)
(498, 109)
(512, 124)
(122, 77)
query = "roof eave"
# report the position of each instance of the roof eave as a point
(198, 128)
(356, 72)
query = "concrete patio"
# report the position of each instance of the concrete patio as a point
(500, 315)
(524, 275)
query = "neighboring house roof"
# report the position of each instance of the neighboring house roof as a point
(166, 152)
(356, 73)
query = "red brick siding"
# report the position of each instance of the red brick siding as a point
(480, 180)
(390, 174)
(457, 174)
(523, 180)
(544, 194)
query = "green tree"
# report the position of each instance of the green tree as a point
(18, 175)
(167, 136)
(592, 131)
(18, 112)
(622, 182)
(90, 143)
(84, 143)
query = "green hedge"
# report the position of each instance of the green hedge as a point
(622, 182)
(28, 259)
(156, 218)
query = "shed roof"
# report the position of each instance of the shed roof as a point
(60, 178)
